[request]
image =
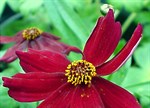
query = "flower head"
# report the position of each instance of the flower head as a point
(78, 84)
(36, 39)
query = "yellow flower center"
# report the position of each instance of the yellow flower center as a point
(31, 33)
(80, 72)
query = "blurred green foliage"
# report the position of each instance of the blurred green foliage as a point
(73, 21)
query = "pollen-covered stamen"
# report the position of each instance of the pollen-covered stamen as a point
(80, 72)
(31, 33)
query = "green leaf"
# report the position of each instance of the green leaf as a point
(136, 76)
(72, 19)
(142, 57)
(121, 44)
(87, 10)
(74, 56)
(21, 24)
(128, 4)
(147, 4)
(145, 101)
(2, 5)
(15, 4)
(77, 3)
(59, 24)
(142, 89)
(7, 23)
(119, 76)
(30, 6)
(143, 17)
(146, 33)
(137, 79)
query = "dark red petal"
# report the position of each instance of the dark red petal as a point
(33, 45)
(67, 49)
(33, 86)
(61, 47)
(114, 96)
(6, 39)
(103, 40)
(59, 98)
(114, 64)
(48, 35)
(44, 43)
(86, 97)
(10, 55)
(46, 61)
(50, 44)
(19, 37)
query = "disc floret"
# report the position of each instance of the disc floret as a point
(31, 33)
(80, 72)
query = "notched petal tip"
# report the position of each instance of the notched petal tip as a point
(139, 29)
(111, 12)
(115, 63)
(3, 78)
(6, 81)
(110, 15)
(105, 37)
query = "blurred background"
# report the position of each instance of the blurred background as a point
(73, 21)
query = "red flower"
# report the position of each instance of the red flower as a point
(64, 84)
(35, 39)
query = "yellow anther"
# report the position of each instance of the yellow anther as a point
(31, 33)
(80, 72)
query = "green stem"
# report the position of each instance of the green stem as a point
(127, 23)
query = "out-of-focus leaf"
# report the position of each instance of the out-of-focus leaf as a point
(2, 5)
(145, 101)
(136, 76)
(142, 57)
(121, 44)
(140, 89)
(10, 28)
(15, 4)
(67, 35)
(143, 17)
(137, 79)
(146, 33)
(128, 4)
(30, 6)
(72, 19)
(8, 22)
(74, 56)
(2, 53)
(89, 12)
(77, 3)
(120, 75)
(147, 4)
